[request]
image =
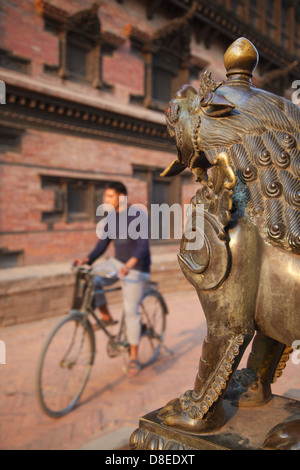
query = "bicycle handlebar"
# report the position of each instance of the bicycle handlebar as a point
(87, 268)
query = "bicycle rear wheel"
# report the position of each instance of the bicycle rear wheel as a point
(153, 312)
(64, 365)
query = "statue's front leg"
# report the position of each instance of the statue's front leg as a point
(229, 311)
(200, 409)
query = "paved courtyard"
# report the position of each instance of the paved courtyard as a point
(111, 404)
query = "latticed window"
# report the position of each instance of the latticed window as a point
(74, 200)
(80, 48)
(167, 59)
(11, 258)
(82, 43)
(79, 200)
(161, 191)
(13, 62)
(163, 73)
(166, 74)
(79, 57)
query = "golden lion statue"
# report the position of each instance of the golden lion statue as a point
(243, 145)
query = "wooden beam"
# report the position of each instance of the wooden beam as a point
(152, 7)
(291, 27)
(246, 11)
(210, 38)
(262, 7)
(278, 20)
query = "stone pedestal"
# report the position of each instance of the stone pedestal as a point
(245, 429)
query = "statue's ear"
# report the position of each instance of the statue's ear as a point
(174, 168)
(215, 105)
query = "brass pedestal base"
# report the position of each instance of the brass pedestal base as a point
(245, 429)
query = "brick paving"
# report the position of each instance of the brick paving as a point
(111, 401)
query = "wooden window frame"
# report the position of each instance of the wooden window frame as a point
(149, 174)
(179, 70)
(11, 258)
(78, 28)
(61, 212)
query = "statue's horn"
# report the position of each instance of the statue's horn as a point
(174, 168)
(215, 105)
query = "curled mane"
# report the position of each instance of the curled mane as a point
(261, 136)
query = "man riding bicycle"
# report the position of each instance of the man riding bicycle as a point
(131, 262)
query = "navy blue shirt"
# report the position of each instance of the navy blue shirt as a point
(125, 246)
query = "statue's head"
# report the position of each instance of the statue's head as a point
(191, 110)
(258, 130)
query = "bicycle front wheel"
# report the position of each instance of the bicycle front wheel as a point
(64, 365)
(153, 312)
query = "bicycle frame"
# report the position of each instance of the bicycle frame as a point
(86, 308)
(71, 343)
(87, 298)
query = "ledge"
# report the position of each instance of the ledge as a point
(32, 293)
(40, 105)
(43, 86)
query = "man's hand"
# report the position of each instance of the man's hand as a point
(123, 271)
(130, 264)
(80, 262)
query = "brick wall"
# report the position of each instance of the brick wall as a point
(57, 153)
(23, 199)
(37, 292)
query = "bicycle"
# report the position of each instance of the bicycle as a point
(68, 353)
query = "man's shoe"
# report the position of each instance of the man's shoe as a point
(134, 368)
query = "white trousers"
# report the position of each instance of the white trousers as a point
(133, 288)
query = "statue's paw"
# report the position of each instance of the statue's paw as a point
(168, 409)
(178, 415)
(284, 436)
(246, 390)
(181, 420)
(173, 415)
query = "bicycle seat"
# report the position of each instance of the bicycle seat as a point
(114, 275)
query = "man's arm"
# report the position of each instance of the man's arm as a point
(141, 250)
(124, 270)
(99, 249)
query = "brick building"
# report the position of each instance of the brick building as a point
(86, 87)
(74, 119)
